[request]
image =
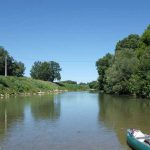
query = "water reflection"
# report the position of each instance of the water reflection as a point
(69, 121)
(20, 109)
(46, 107)
(10, 112)
(120, 113)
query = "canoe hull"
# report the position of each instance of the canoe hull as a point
(135, 144)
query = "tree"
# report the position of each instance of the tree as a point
(129, 70)
(102, 65)
(146, 36)
(14, 68)
(82, 83)
(69, 82)
(55, 71)
(130, 42)
(119, 73)
(18, 69)
(93, 85)
(47, 71)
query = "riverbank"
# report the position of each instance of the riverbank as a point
(27, 86)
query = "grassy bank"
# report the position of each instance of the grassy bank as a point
(15, 85)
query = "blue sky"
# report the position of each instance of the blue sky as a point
(74, 33)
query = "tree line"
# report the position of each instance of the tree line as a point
(128, 70)
(47, 71)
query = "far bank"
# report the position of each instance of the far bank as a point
(28, 86)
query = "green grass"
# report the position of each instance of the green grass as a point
(17, 85)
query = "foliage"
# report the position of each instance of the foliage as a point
(69, 82)
(129, 70)
(75, 87)
(82, 83)
(93, 85)
(47, 71)
(14, 68)
(119, 73)
(131, 42)
(16, 85)
(146, 36)
(102, 65)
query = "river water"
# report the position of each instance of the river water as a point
(71, 121)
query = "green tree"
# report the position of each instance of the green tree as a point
(102, 65)
(129, 72)
(135, 85)
(3, 54)
(14, 68)
(93, 85)
(130, 42)
(144, 65)
(47, 71)
(119, 73)
(55, 71)
(18, 69)
(146, 36)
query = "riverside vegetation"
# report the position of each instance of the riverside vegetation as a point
(43, 75)
(23, 85)
(128, 70)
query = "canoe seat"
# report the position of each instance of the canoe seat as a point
(147, 141)
(139, 135)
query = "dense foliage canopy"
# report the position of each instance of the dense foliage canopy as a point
(128, 70)
(14, 67)
(47, 71)
(69, 82)
(93, 85)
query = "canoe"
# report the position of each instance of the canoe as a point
(138, 140)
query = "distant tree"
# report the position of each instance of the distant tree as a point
(14, 68)
(18, 69)
(69, 82)
(82, 83)
(47, 71)
(55, 71)
(119, 73)
(93, 85)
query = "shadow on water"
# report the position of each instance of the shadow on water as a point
(121, 113)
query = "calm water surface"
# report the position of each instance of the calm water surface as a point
(70, 121)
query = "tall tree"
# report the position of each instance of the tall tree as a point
(47, 71)
(146, 36)
(130, 42)
(54, 71)
(129, 72)
(119, 73)
(14, 68)
(102, 65)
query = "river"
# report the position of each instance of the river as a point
(70, 121)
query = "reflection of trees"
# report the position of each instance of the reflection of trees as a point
(46, 107)
(120, 113)
(10, 111)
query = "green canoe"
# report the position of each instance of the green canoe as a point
(138, 142)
